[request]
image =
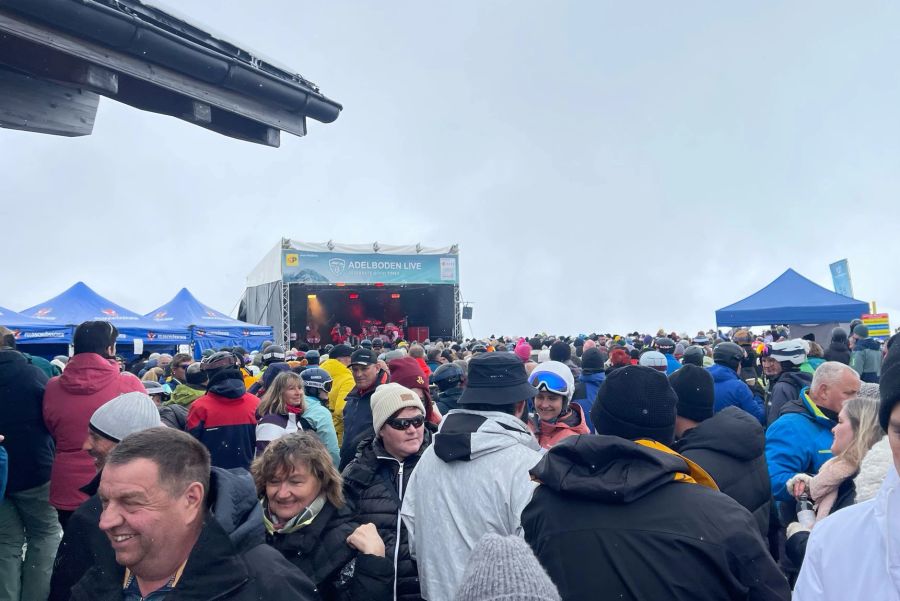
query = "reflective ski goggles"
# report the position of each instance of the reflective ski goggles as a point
(326, 386)
(549, 382)
(398, 423)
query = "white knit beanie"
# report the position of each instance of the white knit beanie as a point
(388, 399)
(126, 414)
(505, 568)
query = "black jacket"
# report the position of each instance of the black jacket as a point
(320, 551)
(358, 419)
(230, 561)
(795, 546)
(611, 520)
(174, 416)
(731, 447)
(373, 490)
(838, 351)
(449, 399)
(28, 443)
(784, 389)
(83, 545)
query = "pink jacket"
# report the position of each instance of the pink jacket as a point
(548, 434)
(70, 400)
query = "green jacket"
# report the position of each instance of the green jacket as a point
(185, 395)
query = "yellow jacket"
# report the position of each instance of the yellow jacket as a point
(342, 383)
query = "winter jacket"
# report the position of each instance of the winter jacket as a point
(185, 395)
(784, 389)
(4, 470)
(229, 562)
(174, 416)
(615, 519)
(853, 553)
(549, 434)
(28, 442)
(731, 447)
(69, 402)
(586, 389)
(798, 442)
(83, 545)
(838, 351)
(472, 480)
(341, 385)
(42, 364)
(795, 546)
(316, 419)
(321, 552)
(374, 485)
(873, 469)
(731, 391)
(448, 399)
(226, 426)
(866, 359)
(358, 419)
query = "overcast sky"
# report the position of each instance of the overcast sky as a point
(602, 165)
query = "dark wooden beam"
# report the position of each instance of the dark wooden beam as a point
(45, 63)
(33, 104)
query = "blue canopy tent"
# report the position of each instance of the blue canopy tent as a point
(209, 328)
(28, 329)
(80, 303)
(791, 299)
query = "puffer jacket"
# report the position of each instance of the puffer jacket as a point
(341, 385)
(784, 389)
(358, 419)
(731, 391)
(185, 395)
(69, 402)
(374, 485)
(549, 434)
(866, 359)
(586, 389)
(226, 426)
(731, 447)
(448, 399)
(838, 351)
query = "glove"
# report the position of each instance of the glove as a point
(796, 479)
(795, 527)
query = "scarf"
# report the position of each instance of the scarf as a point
(304, 518)
(823, 487)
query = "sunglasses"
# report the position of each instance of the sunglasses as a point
(404, 423)
(549, 382)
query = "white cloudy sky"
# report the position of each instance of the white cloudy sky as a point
(602, 165)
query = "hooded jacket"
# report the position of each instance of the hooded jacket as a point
(448, 399)
(866, 359)
(548, 434)
(614, 519)
(731, 391)
(341, 385)
(472, 480)
(374, 485)
(853, 554)
(185, 395)
(69, 402)
(28, 442)
(838, 351)
(798, 442)
(586, 388)
(229, 562)
(358, 418)
(226, 425)
(731, 447)
(784, 389)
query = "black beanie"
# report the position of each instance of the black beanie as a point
(636, 402)
(696, 392)
(592, 359)
(560, 351)
(889, 386)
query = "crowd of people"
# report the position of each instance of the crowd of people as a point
(717, 466)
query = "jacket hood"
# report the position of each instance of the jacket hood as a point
(610, 469)
(593, 375)
(798, 379)
(88, 373)
(868, 344)
(235, 507)
(731, 431)
(11, 365)
(334, 367)
(465, 435)
(721, 373)
(839, 345)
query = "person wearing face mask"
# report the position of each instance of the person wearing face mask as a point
(555, 415)
(308, 521)
(376, 481)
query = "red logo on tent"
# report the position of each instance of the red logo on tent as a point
(245, 332)
(211, 313)
(151, 335)
(109, 312)
(42, 312)
(160, 315)
(16, 334)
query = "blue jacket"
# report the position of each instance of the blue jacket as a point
(586, 389)
(4, 465)
(672, 364)
(797, 442)
(731, 391)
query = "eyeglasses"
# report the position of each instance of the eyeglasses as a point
(404, 423)
(183, 366)
(549, 382)
(326, 386)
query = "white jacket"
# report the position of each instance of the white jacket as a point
(875, 465)
(472, 480)
(855, 552)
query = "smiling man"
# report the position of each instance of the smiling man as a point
(175, 523)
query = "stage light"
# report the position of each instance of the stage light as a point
(340, 284)
(310, 296)
(395, 295)
(354, 296)
(379, 285)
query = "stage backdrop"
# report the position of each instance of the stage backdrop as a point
(300, 266)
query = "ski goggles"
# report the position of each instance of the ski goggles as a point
(549, 381)
(403, 423)
(326, 385)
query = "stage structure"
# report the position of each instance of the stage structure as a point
(328, 293)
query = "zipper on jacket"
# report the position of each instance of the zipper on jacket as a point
(399, 524)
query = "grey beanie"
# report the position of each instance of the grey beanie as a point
(126, 414)
(504, 567)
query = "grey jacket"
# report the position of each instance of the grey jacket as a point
(472, 480)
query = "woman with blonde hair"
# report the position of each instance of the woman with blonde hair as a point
(308, 521)
(286, 408)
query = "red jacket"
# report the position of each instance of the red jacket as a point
(227, 427)
(70, 400)
(548, 434)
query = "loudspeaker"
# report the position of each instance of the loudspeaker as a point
(467, 313)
